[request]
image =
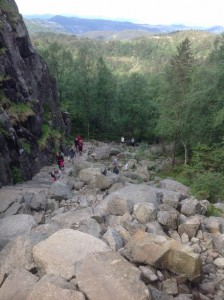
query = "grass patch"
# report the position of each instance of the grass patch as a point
(25, 146)
(19, 113)
(17, 176)
(214, 211)
(209, 185)
(48, 133)
(10, 10)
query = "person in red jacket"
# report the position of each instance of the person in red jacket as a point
(80, 146)
(60, 160)
(76, 141)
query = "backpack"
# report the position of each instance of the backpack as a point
(115, 170)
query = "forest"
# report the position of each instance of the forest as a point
(166, 88)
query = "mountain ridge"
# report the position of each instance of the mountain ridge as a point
(82, 26)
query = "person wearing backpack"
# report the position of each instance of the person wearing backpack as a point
(133, 142)
(76, 142)
(71, 155)
(80, 146)
(115, 165)
(60, 160)
(56, 174)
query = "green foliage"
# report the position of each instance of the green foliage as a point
(2, 130)
(167, 86)
(214, 211)
(209, 158)
(209, 185)
(184, 174)
(10, 9)
(16, 175)
(25, 146)
(48, 133)
(20, 112)
(2, 51)
(4, 101)
(3, 77)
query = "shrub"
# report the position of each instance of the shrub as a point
(209, 158)
(209, 185)
(20, 112)
(214, 211)
(48, 133)
(10, 9)
(16, 175)
(25, 146)
(185, 174)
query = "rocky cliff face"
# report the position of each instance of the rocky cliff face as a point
(31, 123)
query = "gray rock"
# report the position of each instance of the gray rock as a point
(109, 276)
(90, 226)
(54, 287)
(173, 185)
(168, 219)
(113, 239)
(18, 253)
(60, 191)
(13, 226)
(12, 210)
(145, 212)
(73, 217)
(18, 285)
(59, 253)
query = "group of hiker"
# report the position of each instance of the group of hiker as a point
(132, 141)
(77, 147)
(56, 173)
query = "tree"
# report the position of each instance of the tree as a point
(60, 63)
(135, 106)
(85, 84)
(105, 89)
(174, 106)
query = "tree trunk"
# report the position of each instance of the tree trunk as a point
(185, 153)
(163, 146)
(174, 149)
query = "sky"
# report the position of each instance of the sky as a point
(187, 12)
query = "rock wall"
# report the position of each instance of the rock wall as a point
(28, 102)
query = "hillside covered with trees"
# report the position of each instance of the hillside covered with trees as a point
(166, 88)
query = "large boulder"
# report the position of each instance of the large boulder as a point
(35, 201)
(60, 191)
(102, 152)
(124, 199)
(51, 287)
(94, 178)
(73, 217)
(109, 276)
(8, 198)
(18, 253)
(18, 285)
(164, 253)
(13, 226)
(172, 185)
(62, 250)
(145, 212)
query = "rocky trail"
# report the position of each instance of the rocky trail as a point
(96, 235)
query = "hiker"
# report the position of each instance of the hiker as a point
(71, 155)
(133, 142)
(76, 141)
(125, 167)
(115, 165)
(60, 160)
(56, 174)
(80, 146)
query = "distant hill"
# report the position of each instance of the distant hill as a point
(104, 29)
